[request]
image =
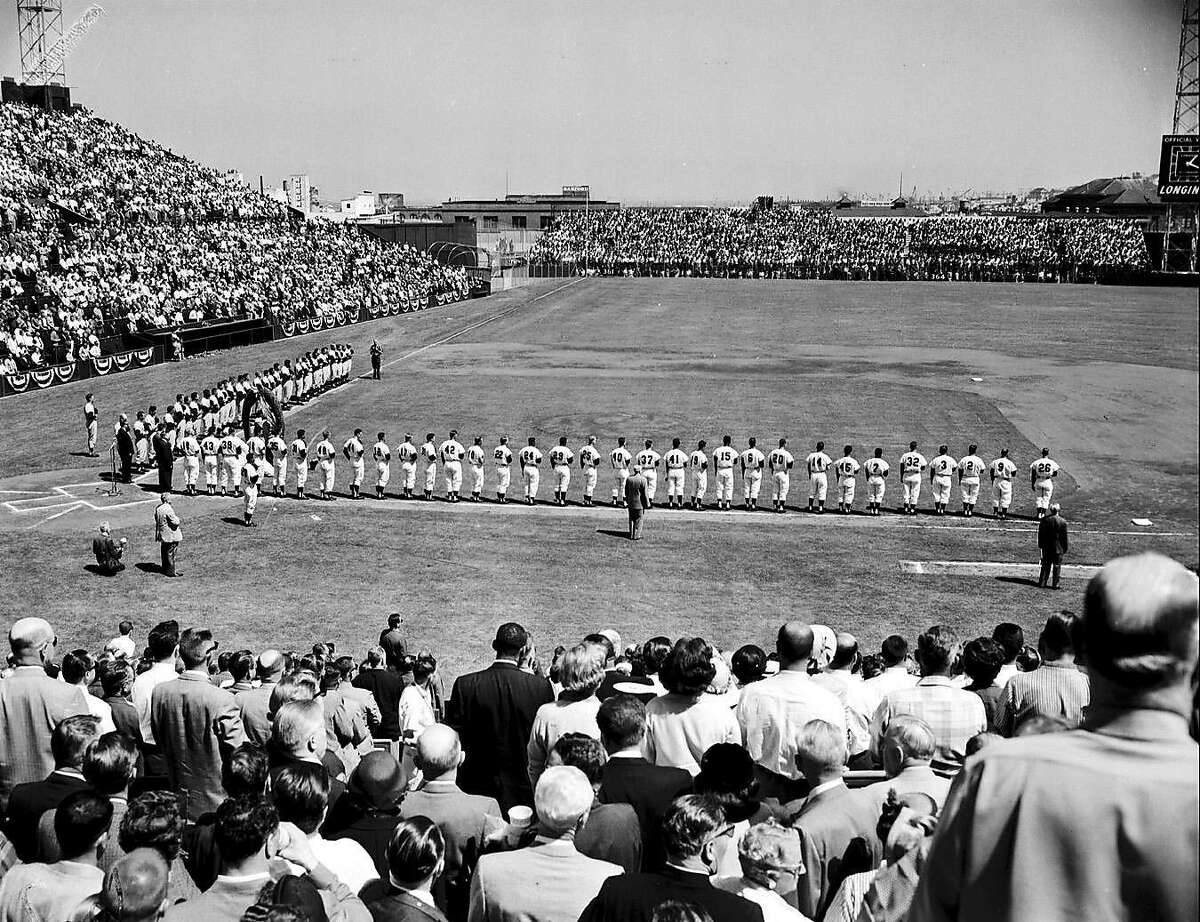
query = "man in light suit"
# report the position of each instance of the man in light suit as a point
(549, 881)
(167, 533)
(254, 703)
(31, 705)
(1052, 542)
(195, 724)
(638, 501)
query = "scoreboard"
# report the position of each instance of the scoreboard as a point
(1179, 168)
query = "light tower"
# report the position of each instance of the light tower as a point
(1179, 170)
(40, 29)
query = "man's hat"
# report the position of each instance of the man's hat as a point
(379, 780)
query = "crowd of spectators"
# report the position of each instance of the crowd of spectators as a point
(103, 232)
(782, 242)
(648, 782)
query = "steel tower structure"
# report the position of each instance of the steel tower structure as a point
(1183, 220)
(39, 30)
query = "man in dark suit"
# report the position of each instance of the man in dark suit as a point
(637, 501)
(627, 778)
(837, 825)
(385, 685)
(125, 449)
(164, 459)
(612, 832)
(694, 831)
(29, 801)
(1052, 542)
(392, 640)
(493, 712)
(107, 551)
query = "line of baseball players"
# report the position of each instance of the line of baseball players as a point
(270, 458)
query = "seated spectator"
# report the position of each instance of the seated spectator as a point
(301, 796)
(682, 724)
(769, 863)
(123, 645)
(79, 669)
(954, 715)
(416, 858)
(727, 777)
(612, 832)
(1012, 641)
(371, 808)
(108, 554)
(1028, 660)
(907, 750)
(54, 891)
(575, 710)
(749, 664)
(893, 657)
(152, 820)
(289, 898)
(694, 832)
(1132, 771)
(982, 661)
(565, 880)
(1057, 689)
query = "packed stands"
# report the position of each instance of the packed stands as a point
(103, 232)
(610, 778)
(782, 242)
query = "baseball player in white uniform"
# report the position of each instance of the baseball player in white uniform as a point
(429, 454)
(452, 453)
(620, 459)
(277, 458)
(561, 459)
(210, 449)
(531, 457)
(253, 476)
(751, 461)
(502, 456)
(475, 459)
(648, 461)
(325, 456)
(1041, 480)
(941, 479)
(407, 453)
(90, 425)
(724, 459)
(818, 464)
(1003, 471)
(676, 462)
(969, 470)
(877, 471)
(698, 464)
(382, 454)
(300, 460)
(233, 453)
(846, 471)
(257, 444)
(589, 462)
(912, 466)
(191, 462)
(780, 461)
(353, 451)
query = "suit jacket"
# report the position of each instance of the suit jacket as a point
(612, 833)
(163, 455)
(635, 492)
(549, 881)
(106, 551)
(837, 839)
(649, 789)
(392, 641)
(386, 686)
(124, 443)
(458, 815)
(31, 705)
(166, 524)
(402, 906)
(195, 724)
(634, 897)
(27, 804)
(1052, 535)
(253, 705)
(493, 712)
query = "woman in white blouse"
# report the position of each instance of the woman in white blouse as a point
(581, 672)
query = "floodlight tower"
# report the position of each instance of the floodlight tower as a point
(39, 29)
(1183, 218)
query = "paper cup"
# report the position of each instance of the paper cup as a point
(520, 816)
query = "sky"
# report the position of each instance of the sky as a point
(664, 101)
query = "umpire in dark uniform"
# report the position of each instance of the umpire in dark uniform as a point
(164, 459)
(1052, 542)
(637, 501)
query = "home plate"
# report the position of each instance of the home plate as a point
(989, 568)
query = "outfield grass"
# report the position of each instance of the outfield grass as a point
(1105, 376)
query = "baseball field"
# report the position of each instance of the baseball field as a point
(1104, 377)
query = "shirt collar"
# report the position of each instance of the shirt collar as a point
(827, 786)
(69, 772)
(236, 879)
(935, 680)
(423, 895)
(633, 752)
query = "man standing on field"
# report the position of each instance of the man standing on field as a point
(475, 460)
(724, 458)
(530, 458)
(941, 472)
(620, 459)
(647, 461)
(1003, 471)
(589, 461)
(503, 457)
(1041, 480)
(877, 470)
(638, 501)
(676, 461)
(780, 461)
(752, 461)
(846, 470)
(90, 424)
(561, 458)
(698, 462)
(912, 466)
(818, 477)
(969, 470)
(407, 453)
(383, 464)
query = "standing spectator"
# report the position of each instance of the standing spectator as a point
(837, 825)
(254, 705)
(122, 646)
(727, 776)
(682, 724)
(416, 701)
(770, 863)
(1099, 823)
(152, 820)
(117, 684)
(31, 705)
(771, 713)
(981, 661)
(581, 672)
(54, 891)
(195, 724)
(108, 555)
(385, 684)
(167, 533)
(564, 881)
(1012, 641)
(79, 669)
(416, 858)
(493, 712)
(627, 777)
(694, 830)
(162, 643)
(347, 672)
(612, 832)
(954, 715)
(109, 765)
(907, 751)
(459, 816)
(371, 808)
(391, 639)
(1055, 689)
(1052, 542)
(843, 677)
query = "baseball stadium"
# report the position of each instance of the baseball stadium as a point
(215, 399)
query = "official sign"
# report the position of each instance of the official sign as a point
(1179, 168)
(577, 191)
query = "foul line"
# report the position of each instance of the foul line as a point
(479, 323)
(974, 567)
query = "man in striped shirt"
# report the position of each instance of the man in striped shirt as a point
(1055, 689)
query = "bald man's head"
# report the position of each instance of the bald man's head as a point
(439, 751)
(794, 644)
(135, 887)
(28, 636)
(1140, 622)
(270, 665)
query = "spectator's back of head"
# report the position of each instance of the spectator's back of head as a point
(769, 849)
(241, 664)
(982, 741)
(689, 826)
(748, 664)
(152, 820)
(622, 722)
(727, 775)
(893, 651)
(562, 799)
(245, 772)
(580, 751)
(70, 739)
(907, 741)
(298, 729)
(163, 639)
(688, 669)
(511, 640)
(135, 887)
(981, 660)
(196, 648)
(582, 668)
(654, 654)
(1011, 639)
(298, 687)
(821, 751)
(439, 750)
(1039, 724)
(845, 654)
(110, 763)
(937, 650)
(27, 636)
(117, 680)
(242, 828)
(604, 642)
(270, 665)
(416, 852)
(76, 665)
(301, 795)
(1055, 640)
(80, 822)
(794, 644)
